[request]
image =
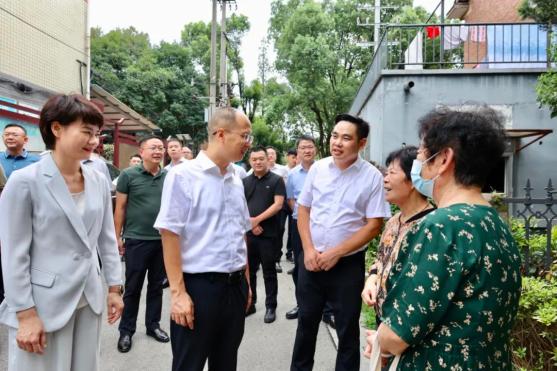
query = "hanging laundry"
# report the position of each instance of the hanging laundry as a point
(478, 34)
(432, 32)
(413, 56)
(453, 36)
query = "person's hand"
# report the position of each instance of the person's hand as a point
(30, 336)
(254, 222)
(328, 259)
(121, 246)
(369, 293)
(181, 310)
(310, 260)
(369, 341)
(250, 298)
(115, 306)
(257, 230)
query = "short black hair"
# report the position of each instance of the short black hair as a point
(135, 155)
(174, 140)
(271, 147)
(306, 137)
(258, 149)
(66, 109)
(148, 137)
(405, 157)
(292, 152)
(476, 136)
(13, 125)
(362, 127)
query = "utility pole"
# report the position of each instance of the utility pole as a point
(213, 68)
(441, 44)
(223, 86)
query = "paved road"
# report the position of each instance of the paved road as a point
(264, 346)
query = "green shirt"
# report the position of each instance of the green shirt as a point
(144, 201)
(453, 291)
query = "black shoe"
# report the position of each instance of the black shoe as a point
(270, 315)
(292, 313)
(165, 283)
(279, 268)
(124, 343)
(159, 335)
(290, 271)
(290, 259)
(251, 310)
(330, 320)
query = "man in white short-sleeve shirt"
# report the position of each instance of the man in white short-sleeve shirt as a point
(340, 209)
(203, 220)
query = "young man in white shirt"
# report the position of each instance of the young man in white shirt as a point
(203, 220)
(174, 150)
(340, 209)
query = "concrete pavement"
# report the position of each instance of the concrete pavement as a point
(265, 347)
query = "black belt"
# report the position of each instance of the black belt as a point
(229, 278)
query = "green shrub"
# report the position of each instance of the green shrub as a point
(534, 337)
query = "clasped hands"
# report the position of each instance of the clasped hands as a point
(256, 229)
(316, 261)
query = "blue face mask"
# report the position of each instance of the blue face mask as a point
(424, 186)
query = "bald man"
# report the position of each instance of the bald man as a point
(203, 220)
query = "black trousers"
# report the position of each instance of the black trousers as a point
(261, 251)
(143, 257)
(282, 214)
(218, 325)
(298, 251)
(341, 286)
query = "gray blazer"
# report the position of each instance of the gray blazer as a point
(49, 252)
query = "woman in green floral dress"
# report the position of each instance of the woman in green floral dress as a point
(453, 291)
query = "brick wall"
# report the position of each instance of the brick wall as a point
(493, 11)
(41, 40)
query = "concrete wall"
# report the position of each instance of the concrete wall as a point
(40, 42)
(393, 114)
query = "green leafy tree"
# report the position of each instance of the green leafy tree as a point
(160, 82)
(318, 53)
(545, 11)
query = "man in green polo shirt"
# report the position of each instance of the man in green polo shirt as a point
(138, 200)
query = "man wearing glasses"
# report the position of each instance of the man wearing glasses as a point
(203, 220)
(15, 157)
(138, 200)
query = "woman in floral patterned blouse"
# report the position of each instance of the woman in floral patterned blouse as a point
(413, 207)
(453, 292)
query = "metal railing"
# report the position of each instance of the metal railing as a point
(539, 216)
(461, 46)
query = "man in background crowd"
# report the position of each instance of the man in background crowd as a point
(187, 153)
(138, 200)
(265, 192)
(174, 150)
(15, 157)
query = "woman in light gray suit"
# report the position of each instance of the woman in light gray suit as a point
(56, 223)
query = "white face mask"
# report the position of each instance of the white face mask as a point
(424, 186)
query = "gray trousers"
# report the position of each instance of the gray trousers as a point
(74, 347)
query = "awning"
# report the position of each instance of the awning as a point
(519, 134)
(114, 111)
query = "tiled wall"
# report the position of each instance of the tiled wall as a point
(40, 41)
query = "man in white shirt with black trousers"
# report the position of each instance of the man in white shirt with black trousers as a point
(340, 209)
(203, 220)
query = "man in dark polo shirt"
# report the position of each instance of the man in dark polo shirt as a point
(265, 192)
(138, 200)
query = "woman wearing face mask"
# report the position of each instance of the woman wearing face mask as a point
(56, 224)
(453, 292)
(413, 206)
